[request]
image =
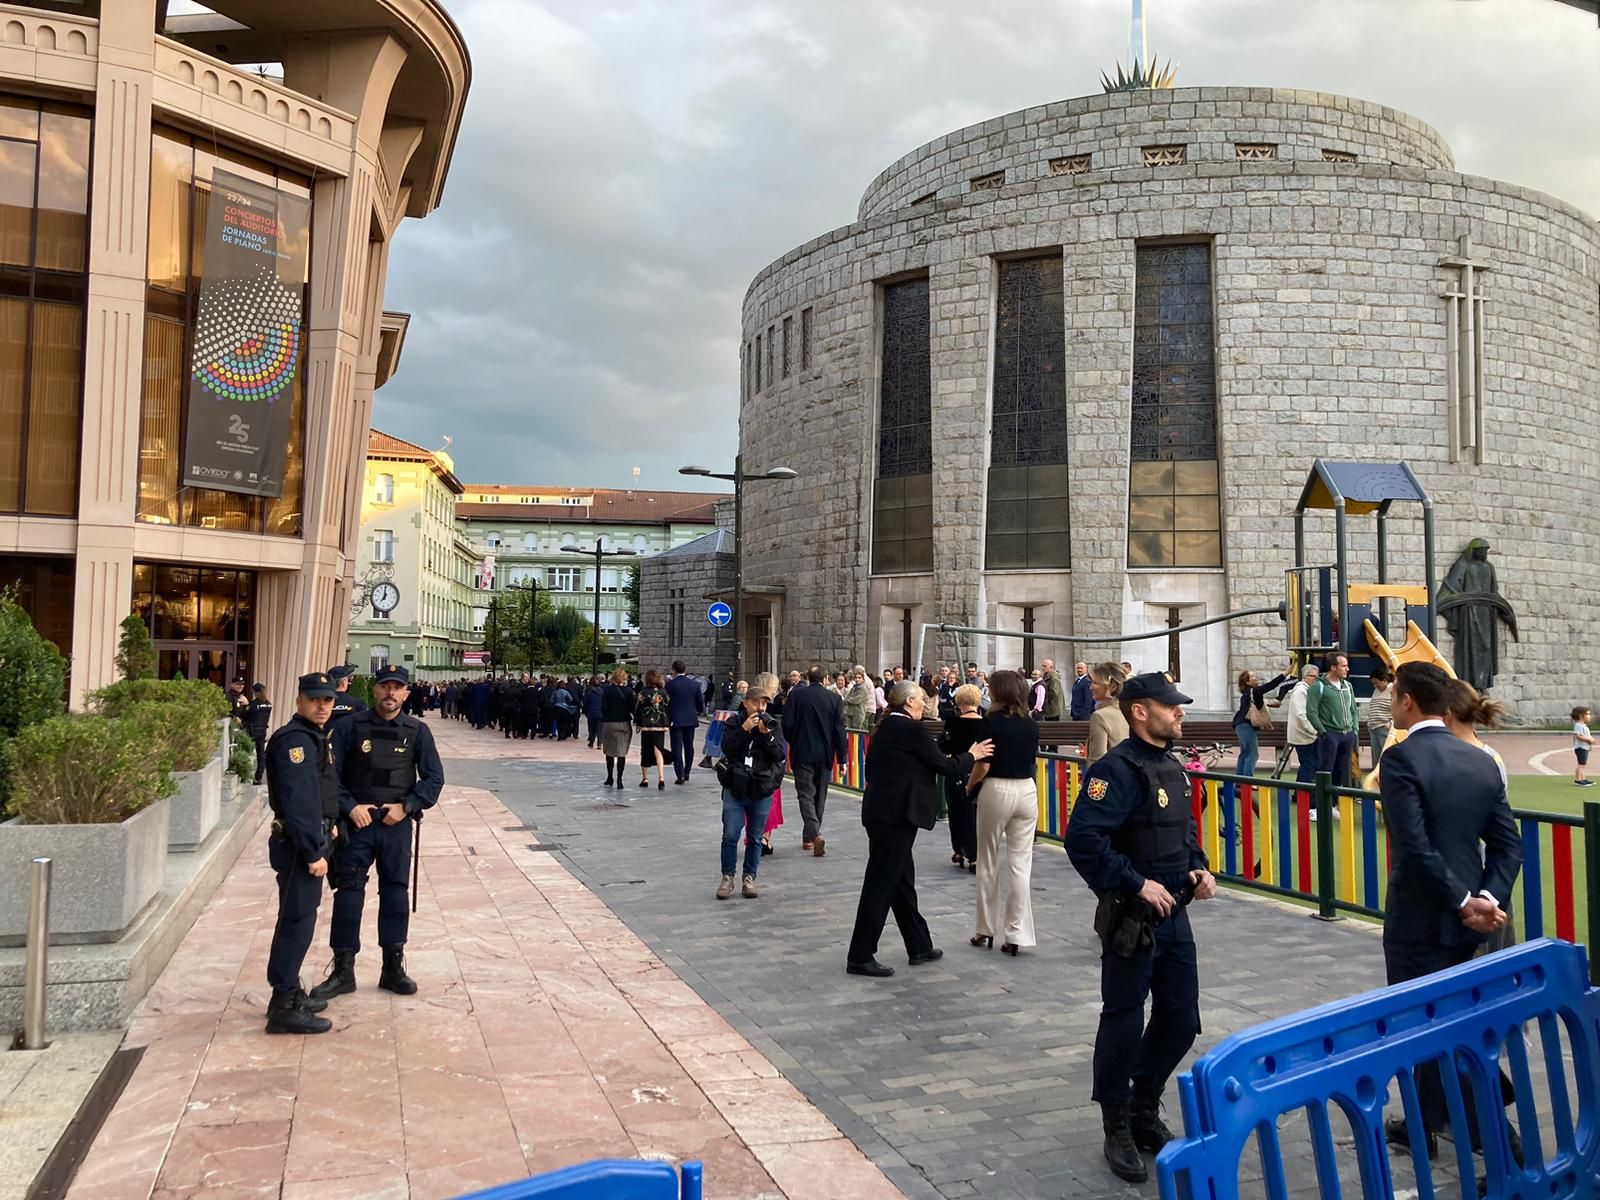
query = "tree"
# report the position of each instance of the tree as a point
(33, 679)
(631, 590)
(136, 656)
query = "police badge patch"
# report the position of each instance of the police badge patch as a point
(297, 754)
(1098, 789)
(366, 745)
(1161, 797)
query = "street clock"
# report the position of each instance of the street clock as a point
(385, 597)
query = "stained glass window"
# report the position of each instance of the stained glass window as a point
(902, 508)
(1027, 523)
(1174, 512)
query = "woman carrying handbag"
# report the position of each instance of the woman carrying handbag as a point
(1252, 719)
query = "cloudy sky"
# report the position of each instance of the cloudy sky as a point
(625, 167)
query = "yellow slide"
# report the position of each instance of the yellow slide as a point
(1416, 648)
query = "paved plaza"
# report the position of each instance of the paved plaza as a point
(584, 995)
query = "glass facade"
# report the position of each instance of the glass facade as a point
(902, 498)
(180, 185)
(1174, 514)
(201, 619)
(44, 218)
(1027, 524)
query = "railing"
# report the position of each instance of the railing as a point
(1319, 844)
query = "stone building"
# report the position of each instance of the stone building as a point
(135, 143)
(677, 589)
(1068, 368)
(521, 535)
(416, 570)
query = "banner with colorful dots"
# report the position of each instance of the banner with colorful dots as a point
(249, 337)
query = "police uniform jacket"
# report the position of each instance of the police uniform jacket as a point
(258, 717)
(1133, 821)
(344, 704)
(302, 789)
(386, 762)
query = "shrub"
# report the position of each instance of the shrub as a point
(136, 656)
(33, 680)
(203, 696)
(361, 688)
(86, 770)
(181, 737)
(242, 755)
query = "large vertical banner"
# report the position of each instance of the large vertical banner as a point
(249, 337)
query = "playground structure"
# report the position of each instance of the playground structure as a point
(1327, 612)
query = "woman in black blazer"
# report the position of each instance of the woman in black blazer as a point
(902, 796)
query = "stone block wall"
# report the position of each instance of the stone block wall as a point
(1330, 341)
(687, 579)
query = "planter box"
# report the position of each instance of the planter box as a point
(196, 807)
(225, 740)
(103, 878)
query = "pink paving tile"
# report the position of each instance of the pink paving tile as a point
(367, 1186)
(564, 1119)
(732, 1172)
(245, 1095)
(769, 1110)
(248, 1155)
(828, 1170)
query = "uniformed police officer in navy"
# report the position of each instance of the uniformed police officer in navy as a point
(1132, 836)
(389, 774)
(344, 704)
(257, 720)
(303, 793)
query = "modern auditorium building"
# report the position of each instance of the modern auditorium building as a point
(196, 210)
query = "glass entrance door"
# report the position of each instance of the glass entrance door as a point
(216, 663)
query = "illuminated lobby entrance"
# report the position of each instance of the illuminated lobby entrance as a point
(201, 619)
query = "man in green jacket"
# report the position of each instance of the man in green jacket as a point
(1331, 709)
(1055, 696)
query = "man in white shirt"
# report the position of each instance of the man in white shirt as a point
(1298, 730)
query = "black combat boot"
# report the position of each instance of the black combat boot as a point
(1150, 1132)
(308, 1003)
(285, 1015)
(1121, 1154)
(394, 977)
(341, 977)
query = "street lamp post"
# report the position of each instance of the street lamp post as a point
(600, 554)
(738, 478)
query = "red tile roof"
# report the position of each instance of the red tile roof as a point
(386, 445)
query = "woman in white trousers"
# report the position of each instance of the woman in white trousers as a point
(1008, 807)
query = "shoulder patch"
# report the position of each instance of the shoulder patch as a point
(297, 754)
(1098, 788)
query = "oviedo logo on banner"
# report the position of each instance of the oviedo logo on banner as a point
(249, 337)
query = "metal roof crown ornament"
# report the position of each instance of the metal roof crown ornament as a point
(1145, 73)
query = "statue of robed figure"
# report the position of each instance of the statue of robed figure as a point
(1471, 604)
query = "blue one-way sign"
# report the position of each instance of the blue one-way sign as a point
(719, 614)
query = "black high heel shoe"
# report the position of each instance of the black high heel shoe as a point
(1010, 948)
(661, 785)
(957, 860)
(981, 940)
(644, 783)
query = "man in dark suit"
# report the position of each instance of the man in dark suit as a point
(813, 725)
(685, 703)
(1082, 703)
(1456, 855)
(902, 796)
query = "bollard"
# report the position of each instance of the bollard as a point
(38, 954)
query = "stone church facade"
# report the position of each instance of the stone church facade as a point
(1067, 372)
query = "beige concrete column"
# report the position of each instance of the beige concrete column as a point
(114, 342)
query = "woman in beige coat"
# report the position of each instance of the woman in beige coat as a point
(1107, 726)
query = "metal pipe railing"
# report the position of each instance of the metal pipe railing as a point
(38, 955)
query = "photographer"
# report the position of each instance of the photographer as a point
(751, 768)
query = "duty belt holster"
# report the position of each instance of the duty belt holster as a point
(1126, 925)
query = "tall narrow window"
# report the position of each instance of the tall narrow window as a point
(805, 339)
(383, 545)
(772, 353)
(902, 502)
(1027, 524)
(788, 344)
(758, 363)
(1174, 514)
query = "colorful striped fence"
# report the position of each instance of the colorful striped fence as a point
(1329, 846)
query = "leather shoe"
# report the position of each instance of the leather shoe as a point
(933, 955)
(1398, 1134)
(872, 967)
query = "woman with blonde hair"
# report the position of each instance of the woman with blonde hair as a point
(616, 725)
(1008, 806)
(960, 732)
(1107, 725)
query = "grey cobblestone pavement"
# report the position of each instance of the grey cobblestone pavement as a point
(968, 1077)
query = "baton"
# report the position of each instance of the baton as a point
(416, 858)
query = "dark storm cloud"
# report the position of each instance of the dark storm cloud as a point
(624, 169)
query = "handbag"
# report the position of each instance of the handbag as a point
(1260, 718)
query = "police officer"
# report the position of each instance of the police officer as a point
(343, 702)
(1133, 839)
(238, 702)
(257, 720)
(389, 773)
(303, 793)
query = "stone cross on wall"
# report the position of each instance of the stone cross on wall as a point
(1464, 353)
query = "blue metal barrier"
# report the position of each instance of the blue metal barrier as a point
(603, 1179)
(712, 746)
(1344, 1056)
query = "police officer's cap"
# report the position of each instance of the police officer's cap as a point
(317, 686)
(393, 675)
(1153, 686)
(339, 672)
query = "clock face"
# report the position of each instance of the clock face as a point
(385, 596)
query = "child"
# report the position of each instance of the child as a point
(1582, 740)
